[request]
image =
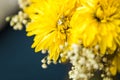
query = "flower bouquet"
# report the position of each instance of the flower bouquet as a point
(85, 33)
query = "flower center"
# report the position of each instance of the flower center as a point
(63, 24)
(107, 12)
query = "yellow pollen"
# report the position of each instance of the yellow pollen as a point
(63, 24)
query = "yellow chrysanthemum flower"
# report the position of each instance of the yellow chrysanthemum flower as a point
(98, 22)
(50, 23)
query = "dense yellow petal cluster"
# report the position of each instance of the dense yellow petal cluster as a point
(98, 23)
(50, 23)
(84, 32)
(86, 22)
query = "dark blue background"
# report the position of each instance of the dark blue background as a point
(19, 62)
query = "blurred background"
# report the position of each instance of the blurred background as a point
(17, 60)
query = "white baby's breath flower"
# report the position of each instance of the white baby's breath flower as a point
(18, 21)
(23, 3)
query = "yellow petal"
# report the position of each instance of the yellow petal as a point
(113, 68)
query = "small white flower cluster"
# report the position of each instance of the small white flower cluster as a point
(21, 19)
(105, 67)
(23, 3)
(18, 21)
(83, 63)
(47, 61)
